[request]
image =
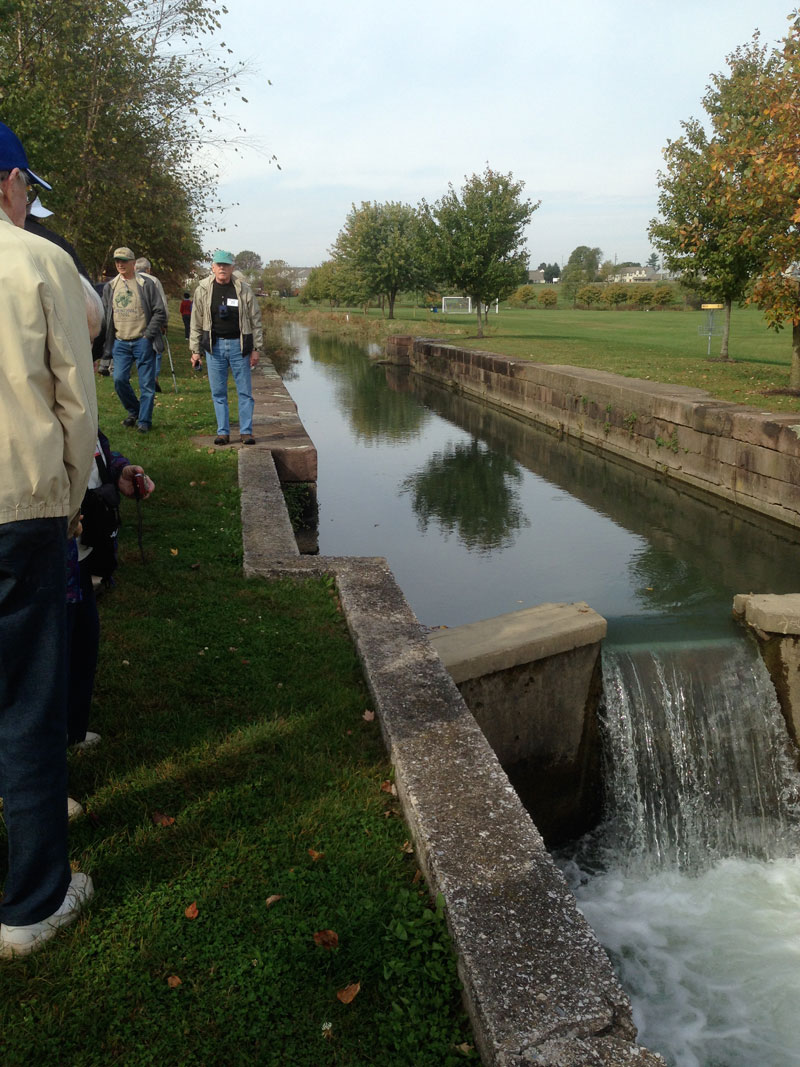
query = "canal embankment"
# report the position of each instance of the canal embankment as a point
(538, 986)
(747, 457)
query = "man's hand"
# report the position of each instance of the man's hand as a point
(126, 485)
(254, 358)
(197, 361)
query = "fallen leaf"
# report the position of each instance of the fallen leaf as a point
(417, 876)
(191, 912)
(160, 819)
(326, 938)
(273, 899)
(192, 483)
(349, 993)
(315, 855)
(408, 847)
(173, 551)
(327, 1030)
(389, 787)
(173, 981)
(464, 1047)
(368, 716)
(195, 567)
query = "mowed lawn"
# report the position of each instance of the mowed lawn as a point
(662, 346)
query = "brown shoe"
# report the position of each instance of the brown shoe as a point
(222, 439)
(248, 439)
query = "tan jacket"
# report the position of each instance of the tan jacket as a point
(48, 406)
(250, 334)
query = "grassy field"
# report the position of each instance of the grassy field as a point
(249, 858)
(661, 346)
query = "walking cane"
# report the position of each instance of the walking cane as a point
(171, 364)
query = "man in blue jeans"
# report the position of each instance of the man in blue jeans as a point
(134, 319)
(48, 426)
(226, 325)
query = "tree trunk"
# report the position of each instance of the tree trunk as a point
(480, 320)
(726, 330)
(794, 375)
(391, 305)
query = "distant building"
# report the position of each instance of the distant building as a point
(536, 277)
(634, 274)
(299, 276)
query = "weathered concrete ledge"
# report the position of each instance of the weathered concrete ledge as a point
(537, 984)
(728, 450)
(774, 621)
(532, 680)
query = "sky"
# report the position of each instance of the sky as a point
(381, 101)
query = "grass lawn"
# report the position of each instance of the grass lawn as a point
(663, 346)
(236, 807)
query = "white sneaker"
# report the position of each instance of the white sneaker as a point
(90, 739)
(22, 940)
(74, 809)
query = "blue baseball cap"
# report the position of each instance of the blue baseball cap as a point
(223, 257)
(12, 155)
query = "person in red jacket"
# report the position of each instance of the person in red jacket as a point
(186, 312)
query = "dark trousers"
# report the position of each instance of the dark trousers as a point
(83, 625)
(33, 717)
(187, 320)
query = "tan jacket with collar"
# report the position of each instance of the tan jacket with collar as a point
(48, 405)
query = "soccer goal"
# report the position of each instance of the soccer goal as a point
(457, 305)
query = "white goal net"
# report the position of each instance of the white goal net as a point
(457, 305)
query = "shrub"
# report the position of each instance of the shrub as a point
(548, 298)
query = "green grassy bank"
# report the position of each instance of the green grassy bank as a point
(238, 811)
(662, 346)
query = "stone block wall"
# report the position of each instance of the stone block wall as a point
(749, 458)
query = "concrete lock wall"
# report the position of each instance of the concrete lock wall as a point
(731, 451)
(532, 680)
(774, 621)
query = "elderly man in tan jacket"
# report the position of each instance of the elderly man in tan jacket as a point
(48, 428)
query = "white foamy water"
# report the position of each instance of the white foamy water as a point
(692, 883)
(711, 962)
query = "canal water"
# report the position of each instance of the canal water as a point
(479, 514)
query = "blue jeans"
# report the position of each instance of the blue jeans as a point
(226, 353)
(33, 717)
(125, 352)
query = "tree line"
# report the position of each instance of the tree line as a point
(113, 103)
(471, 240)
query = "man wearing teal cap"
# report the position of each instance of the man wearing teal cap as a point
(226, 325)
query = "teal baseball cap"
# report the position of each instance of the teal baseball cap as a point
(223, 257)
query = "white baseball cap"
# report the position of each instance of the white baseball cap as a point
(38, 209)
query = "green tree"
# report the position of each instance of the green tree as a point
(616, 293)
(113, 103)
(589, 295)
(587, 260)
(379, 244)
(551, 272)
(755, 158)
(653, 262)
(476, 238)
(277, 277)
(707, 229)
(249, 263)
(523, 297)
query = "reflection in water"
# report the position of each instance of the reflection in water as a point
(375, 412)
(471, 491)
(479, 513)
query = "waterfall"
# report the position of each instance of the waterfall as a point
(692, 883)
(697, 763)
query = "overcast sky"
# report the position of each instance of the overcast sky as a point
(378, 101)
